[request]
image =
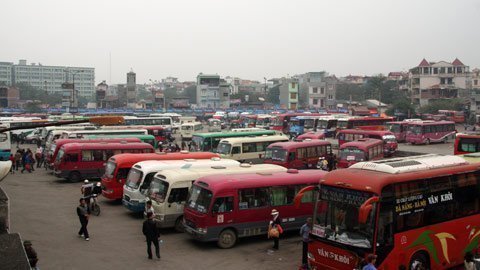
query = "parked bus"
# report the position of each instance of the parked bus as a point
(399, 129)
(118, 167)
(214, 125)
(467, 143)
(169, 189)
(164, 121)
(249, 120)
(368, 123)
(297, 155)
(141, 175)
(390, 144)
(224, 208)
(50, 134)
(454, 116)
(51, 154)
(76, 161)
(429, 131)
(83, 133)
(301, 124)
(188, 129)
(150, 139)
(327, 125)
(360, 150)
(281, 121)
(25, 123)
(263, 121)
(160, 133)
(247, 149)
(420, 209)
(5, 144)
(310, 135)
(209, 141)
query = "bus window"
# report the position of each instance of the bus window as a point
(301, 153)
(222, 205)
(97, 155)
(467, 189)
(178, 195)
(253, 198)
(122, 173)
(236, 150)
(71, 158)
(260, 147)
(87, 155)
(282, 195)
(311, 152)
(443, 210)
(291, 156)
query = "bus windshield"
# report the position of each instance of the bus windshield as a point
(187, 127)
(338, 221)
(322, 124)
(110, 168)
(415, 129)
(389, 138)
(277, 154)
(60, 155)
(199, 199)
(342, 123)
(309, 123)
(224, 148)
(134, 178)
(352, 154)
(158, 190)
(197, 143)
(394, 128)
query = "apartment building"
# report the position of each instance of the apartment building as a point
(289, 93)
(318, 90)
(431, 81)
(475, 91)
(208, 91)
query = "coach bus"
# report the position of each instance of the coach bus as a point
(454, 116)
(81, 160)
(297, 155)
(399, 129)
(169, 189)
(118, 167)
(281, 121)
(141, 175)
(426, 132)
(390, 144)
(360, 150)
(83, 133)
(467, 143)
(223, 208)
(247, 149)
(301, 124)
(367, 123)
(51, 154)
(420, 209)
(209, 141)
(164, 121)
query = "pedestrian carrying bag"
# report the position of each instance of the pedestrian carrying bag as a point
(273, 232)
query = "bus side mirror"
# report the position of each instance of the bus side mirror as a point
(298, 198)
(366, 208)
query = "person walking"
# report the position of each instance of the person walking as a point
(371, 259)
(83, 214)
(305, 233)
(18, 159)
(149, 209)
(150, 230)
(31, 254)
(12, 159)
(39, 156)
(275, 228)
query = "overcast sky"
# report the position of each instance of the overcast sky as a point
(251, 39)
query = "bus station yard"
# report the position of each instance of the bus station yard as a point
(43, 211)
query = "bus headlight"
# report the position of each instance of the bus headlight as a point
(202, 230)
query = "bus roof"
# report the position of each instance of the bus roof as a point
(363, 131)
(300, 144)
(471, 135)
(103, 131)
(430, 123)
(60, 142)
(195, 173)
(362, 144)
(235, 134)
(251, 180)
(188, 163)
(103, 145)
(255, 139)
(118, 136)
(134, 158)
(374, 175)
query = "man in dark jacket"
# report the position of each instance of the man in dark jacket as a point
(83, 213)
(150, 230)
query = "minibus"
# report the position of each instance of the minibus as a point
(426, 132)
(361, 150)
(390, 144)
(188, 129)
(311, 135)
(247, 149)
(297, 155)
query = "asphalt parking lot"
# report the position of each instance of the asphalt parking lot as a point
(43, 211)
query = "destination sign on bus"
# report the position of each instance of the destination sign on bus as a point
(352, 197)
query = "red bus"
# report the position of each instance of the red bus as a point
(248, 120)
(280, 121)
(224, 208)
(417, 209)
(361, 150)
(467, 143)
(390, 144)
(159, 132)
(399, 129)
(455, 116)
(57, 144)
(312, 135)
(430, 131)
(368, 123)
(297, 155)
(118, 167)
(80, 160)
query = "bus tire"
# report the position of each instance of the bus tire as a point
(421, 257)
(74, 177)
(179, 225)
(227, 239)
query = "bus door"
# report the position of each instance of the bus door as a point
(222, 210)
(176, 200)
(253, 210)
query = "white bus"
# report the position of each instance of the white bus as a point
(24, 122)
(5, 144)
(169, 189)
(188, 129)
(247, 149)
(164, 121)
(141, 175)
(50, 134)
(77, 134)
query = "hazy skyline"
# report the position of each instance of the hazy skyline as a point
(248, 39)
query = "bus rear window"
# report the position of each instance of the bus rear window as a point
(352, 154)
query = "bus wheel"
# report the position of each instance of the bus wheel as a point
(179, 225)
(227, 239)
(74, 177)
(419, 257)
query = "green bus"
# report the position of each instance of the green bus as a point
(150, 139)
(203, 142)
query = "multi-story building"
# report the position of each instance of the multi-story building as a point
(289, 93)
(131, 89)
(475, 94)
(318, 90)
(49, 78)
(101, 94)
(431, 81)
(208, 91)
(9, 96)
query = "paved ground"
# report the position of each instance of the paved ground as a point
(43, 211)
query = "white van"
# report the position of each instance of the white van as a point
(248, 149)
(188, 129)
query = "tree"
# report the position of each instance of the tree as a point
(443, 104)
(273, 95)
(401, 105)
(32, 107)
(191, 93)
(345, 91)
